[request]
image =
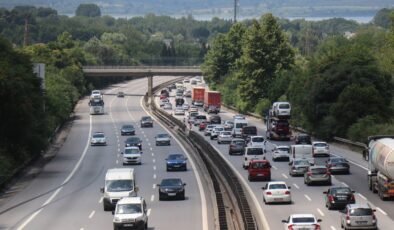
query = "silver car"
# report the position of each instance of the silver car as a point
(98, 138)
(317, 174)
(167, 106)
(298, 166)
(281, 152)
(179, 111)
(208, 130)
(228, 125)
(224, 137)
(163, 139)
(215, 131)
(132, 155)
(358, 216)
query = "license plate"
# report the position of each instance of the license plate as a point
(172, 194)
(128, 225)
(341, 198)
(278, 199)
(361, 222)
(176, 166)
(260, 174)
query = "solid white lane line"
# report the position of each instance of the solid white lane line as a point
(381, 210)
(345, 184)
(361, 195)
(320, 212)
(284, 175)
(333, 228)
(92, 214)
(152, 198)
(101, 200)
(307, 197)
(295, 185)
(154, 167)
(154, 186)
(204, 211)
(273, 166)
(154, 176)
(25, 223)
(148, 213)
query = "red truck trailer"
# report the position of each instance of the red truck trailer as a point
(198, 94)
(212, 101)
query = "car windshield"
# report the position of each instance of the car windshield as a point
(226, 133)
(162, 135)
(303, 162)
(284, 106)
(360, 212)
(338, 160)
(218, 129)
(133, 140)
(176, 157)
(255, 151)
(240, 125)
(303, 220)
(201, 117)
(341, 190)
(319, 171)
(260, 165)
(239, 142)
(128, 208)
(147, 118)
(119, 185)
(229, 123)
(128, 126)
(98, 135)
(320, 144)
(284, 149)
(194, 114)
(277, 186)
(132, 151)
(171, 182)
(258, 139)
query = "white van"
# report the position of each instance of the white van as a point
(119, 183)
(281, 109)
(252, 153)
(301, 151)
(238, 125)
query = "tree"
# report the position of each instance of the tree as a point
(88, 10)
(382, 18)
(265, 53)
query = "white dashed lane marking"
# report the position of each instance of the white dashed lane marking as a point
(154, 167)
(92, 214)
(152, 198)
(149, 211)
(307, 197)
(154, 176)
(153, 160)
(295, 185)
(101, 200)
(284, 175)
(333, 228)
(273, 166)
(320, 212)
(360, 195)
(154, 186)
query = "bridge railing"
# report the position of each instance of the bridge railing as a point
(140, 67)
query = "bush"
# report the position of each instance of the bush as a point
(369, 126)
(262, 107)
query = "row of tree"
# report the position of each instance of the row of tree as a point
(343, 87)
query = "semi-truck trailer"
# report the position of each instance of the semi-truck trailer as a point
(198, 94)
(212, 101)
(277, 129)
(381, 165)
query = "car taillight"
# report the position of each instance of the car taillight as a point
(287, 192)
(317, 226)
(373, 218)
(352, 198)
(328, 173)
(246, 158)
(309, 173)
(293, 167)
(347, 219)
(290, 227)
(326, 147)
(329, 165)
(330, 198)
(268, 193)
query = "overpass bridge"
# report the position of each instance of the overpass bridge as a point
(140, 71)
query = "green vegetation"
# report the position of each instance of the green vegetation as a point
(88, 10)
(338, 85)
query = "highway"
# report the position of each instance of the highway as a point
(306, 199)
(65, 195)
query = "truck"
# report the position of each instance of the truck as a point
(198, 94)
(277, 128)
(302, 151)
(96, 106)
(380, 155)
(212, 101)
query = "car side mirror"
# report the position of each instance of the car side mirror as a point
(102, 190)
(319, 220)
(263, 188)
(290, 163)
(184, 184)
(353, 191)
(284, 221)
(325, 192)
(121, 153)
(113, 212)
(136, 189)
(289, 187)
(373, 210)
(158, 185)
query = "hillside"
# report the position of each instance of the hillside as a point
(220, 8)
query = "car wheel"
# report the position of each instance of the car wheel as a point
(146, 225)
(230, 153)
(161, 197)
(329, 206)
(183, 195)
(106, 207)
(250, 178)
(211, 138)
(123, 164)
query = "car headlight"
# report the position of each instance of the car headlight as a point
(163, 190)
(117, 219)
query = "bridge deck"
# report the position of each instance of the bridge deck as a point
(138, 71)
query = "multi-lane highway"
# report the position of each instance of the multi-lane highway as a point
(65, 195)
(306, 199)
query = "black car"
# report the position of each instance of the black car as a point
(237, 145)
(339, 197)
(171, 188)
(338, 165)
(303, 138)
(146, 121)
(120, 94)
(176, 162)
(133, 141)
(215, 119)
(127, 130)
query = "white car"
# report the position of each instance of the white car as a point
(252, 153)
(257, 141)
(276, 192)
(320, 148)
(239, 117)
(179, 111)
(215, 131)
(132, 155)
(208, 130)
(163, 102)
(228, 125)
(193, 109)
(167, 106)
(131, 212)
(187, 93)
(281, 152)
(96, 94)
(281, 109)
(302, 221)
(185, 106)
(224, 137)
(98, 138)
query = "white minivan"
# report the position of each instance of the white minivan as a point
(238, 125)
(252, 153)
(281, 109)
(119, 183)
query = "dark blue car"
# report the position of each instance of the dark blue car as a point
(176, 162)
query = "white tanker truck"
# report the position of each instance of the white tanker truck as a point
(381, 165)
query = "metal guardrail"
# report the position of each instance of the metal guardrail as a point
(216, 167)
(351, 143)
(140, 67)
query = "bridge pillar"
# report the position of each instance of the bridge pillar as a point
(150, 86)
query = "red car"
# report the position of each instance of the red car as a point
(259, 169)
(202, 126)
(162, 96)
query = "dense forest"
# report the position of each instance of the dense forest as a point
(324, 68)
(339, 84)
